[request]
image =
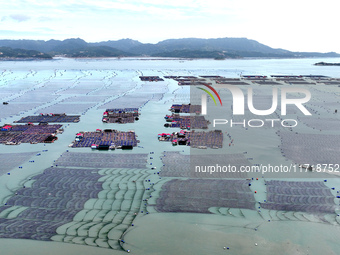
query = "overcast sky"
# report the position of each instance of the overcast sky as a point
(296, 25)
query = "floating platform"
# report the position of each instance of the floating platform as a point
(185, 108)
(16, 134)
(50, 118)
(186, 122)
(200, 140)
(150, 78)
(188, 80)
(121, 115)
(105, 140)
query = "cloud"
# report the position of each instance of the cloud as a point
(143, 8)
(45, 18)
(20, 17)
(6, 34)
(45, 29)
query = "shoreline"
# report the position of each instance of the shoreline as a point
(150, 58)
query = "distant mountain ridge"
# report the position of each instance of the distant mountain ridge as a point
(185, 47)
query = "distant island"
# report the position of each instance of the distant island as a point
(215, 48)
(326, 64)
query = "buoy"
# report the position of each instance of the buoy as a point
(255, 191)
(255, 244)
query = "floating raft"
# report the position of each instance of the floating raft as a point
(121, 115)
(311, 197)
(150, 78)
(179, 77)
(78, 204)
(198, 195)
(102, 160)
(200, 140)
(54, 198)
(177, 121)
(50, 118)
(231, 81)
(16, 134)
(176, 164)
(185, 108)
(187, 80)
(107, 139)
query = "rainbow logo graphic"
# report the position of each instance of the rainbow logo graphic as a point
(210, 94)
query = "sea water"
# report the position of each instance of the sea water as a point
(88, 86)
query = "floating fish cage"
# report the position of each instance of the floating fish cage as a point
(16, 134)
(108, 139)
